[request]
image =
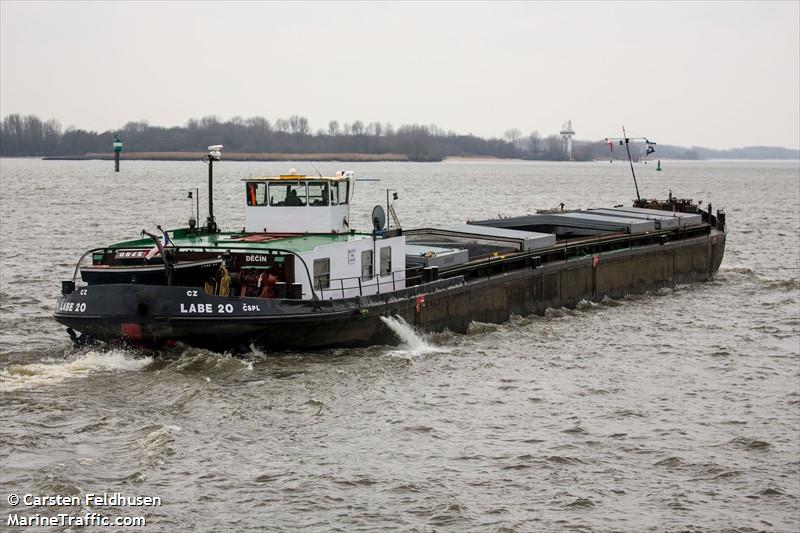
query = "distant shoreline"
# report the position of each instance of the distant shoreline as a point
(348, 157)
(233, 156)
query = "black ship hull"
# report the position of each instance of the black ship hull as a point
(153, 316)
(186, 273)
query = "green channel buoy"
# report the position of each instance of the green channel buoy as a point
(117, 149)
(658, 168)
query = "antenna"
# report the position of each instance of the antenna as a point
(315, 169)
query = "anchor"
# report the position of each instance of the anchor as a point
(83, 339)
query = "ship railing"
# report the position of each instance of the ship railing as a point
(177, 249)
(86, 254)
(271, 251)
(377, 284)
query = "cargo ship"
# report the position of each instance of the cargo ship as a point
(298, 277)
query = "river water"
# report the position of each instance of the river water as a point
(671, 411)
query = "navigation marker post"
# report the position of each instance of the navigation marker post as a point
(117, 149)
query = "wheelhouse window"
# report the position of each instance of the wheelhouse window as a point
(256, 193)
(366, 265)
(291, 194)
(339, 191)
(318, 193)
(386, 260)
(322, 273)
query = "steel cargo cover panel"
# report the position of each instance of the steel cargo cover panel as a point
(424, 255)
(664, 221)
(588, 219)
(684, 219)
(529, 240)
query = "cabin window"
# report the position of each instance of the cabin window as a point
(339, 192)
(256, 194)
(366, 265)
(386, 260)
(318, 193)
(334, 193)
(322, 273)
(287, 194)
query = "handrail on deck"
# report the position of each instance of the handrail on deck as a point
(205, 248)
(360, 287)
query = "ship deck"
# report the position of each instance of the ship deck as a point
(297, 243)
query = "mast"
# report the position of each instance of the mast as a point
(627, 149)
(625, 139)
(214, 154)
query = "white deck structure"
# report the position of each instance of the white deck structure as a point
(296, 203)
(352, 264)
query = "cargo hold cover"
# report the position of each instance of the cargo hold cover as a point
(521, 240)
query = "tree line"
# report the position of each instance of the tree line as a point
(31, 136)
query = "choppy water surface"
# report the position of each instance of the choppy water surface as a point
(678, 410)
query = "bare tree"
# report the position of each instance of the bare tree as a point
(282, 125)
(52, 132)
(512, 135)
(258, 123)
(333, 128)
(138, 127)
(554, 147)
(205, 122)
(358, 128)
(298, 125)
(534, 142)
(375, 129)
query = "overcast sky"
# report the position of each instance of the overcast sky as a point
(719, 74)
